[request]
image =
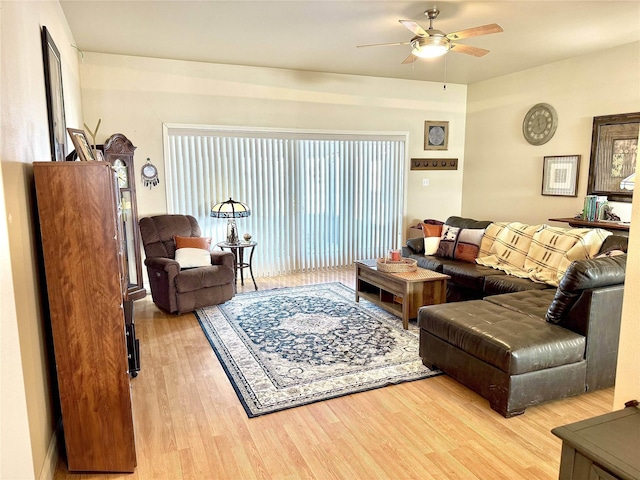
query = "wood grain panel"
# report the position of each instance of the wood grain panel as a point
(83, 266)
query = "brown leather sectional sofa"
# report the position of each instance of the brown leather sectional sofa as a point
(519, 343)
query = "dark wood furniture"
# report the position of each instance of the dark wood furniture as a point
(118, 151)
(619, 227)
(86, 284)
(238, 254)
(601, 448)
(400, 294)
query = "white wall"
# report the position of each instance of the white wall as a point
(134, 96)
(27, 414)
(497, 154)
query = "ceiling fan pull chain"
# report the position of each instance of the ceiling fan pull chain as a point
(445, 74)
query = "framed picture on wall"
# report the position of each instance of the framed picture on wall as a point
(436, 135)
(55, 98)
(614, 150)
(560, 176)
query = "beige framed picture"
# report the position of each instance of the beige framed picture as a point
(560, 176)
(436, 135)
(80, 141)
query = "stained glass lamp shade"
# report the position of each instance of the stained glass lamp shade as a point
(231, 210)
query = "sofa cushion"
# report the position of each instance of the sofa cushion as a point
(511, 341)
(614, 242)
(531, 302)
(462, 222)
(430, 262)
(197, 278)
(581, 275)
(497, 284)
(468, 274)
(414, 246)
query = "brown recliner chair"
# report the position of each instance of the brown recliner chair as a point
(180, 291)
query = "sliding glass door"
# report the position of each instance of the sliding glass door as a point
(318, 200)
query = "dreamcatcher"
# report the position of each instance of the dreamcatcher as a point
(150, 174)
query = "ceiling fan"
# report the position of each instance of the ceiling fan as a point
(432, 43)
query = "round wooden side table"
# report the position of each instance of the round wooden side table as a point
(238, 255)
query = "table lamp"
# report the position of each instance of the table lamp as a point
(231, 210)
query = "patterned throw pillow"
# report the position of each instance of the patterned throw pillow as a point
(468, 244)
(460, 243)
(447, 245)
(431, 238)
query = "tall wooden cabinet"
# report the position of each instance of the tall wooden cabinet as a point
(86, 282)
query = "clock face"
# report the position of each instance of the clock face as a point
(540, 124)
(149, 171)
(121, 172)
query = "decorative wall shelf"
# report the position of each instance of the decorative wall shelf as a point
(434, 164)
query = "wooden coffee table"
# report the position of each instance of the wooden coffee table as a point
(401, 294)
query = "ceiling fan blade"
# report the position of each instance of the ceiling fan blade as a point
(468, 49)
(414, 27)
(410, 59)
(476, 31)
(382, 44)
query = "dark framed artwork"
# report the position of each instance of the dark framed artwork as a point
(81, 142)
(614, 150)
(55, 98)
(436, 135)
(560, 176)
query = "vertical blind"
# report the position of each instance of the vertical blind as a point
(317, 200)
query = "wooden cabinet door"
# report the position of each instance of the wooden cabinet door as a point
(83, 267)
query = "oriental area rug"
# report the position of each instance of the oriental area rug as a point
(288, 347)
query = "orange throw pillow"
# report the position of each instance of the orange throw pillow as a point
(431, 230)
(192, 242)
(431, 237)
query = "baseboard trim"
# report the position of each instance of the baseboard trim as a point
(51, 459)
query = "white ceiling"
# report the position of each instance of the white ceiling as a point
(321, 35)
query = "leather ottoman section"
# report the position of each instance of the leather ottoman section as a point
(192, 279)
(511, 341)
(532, 302)
(509, 395)
(468, 274)
(497, 284)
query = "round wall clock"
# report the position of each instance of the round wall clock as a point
(540, 124)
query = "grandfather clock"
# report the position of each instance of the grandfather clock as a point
(118, 151)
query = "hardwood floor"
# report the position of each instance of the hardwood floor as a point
(190, 424)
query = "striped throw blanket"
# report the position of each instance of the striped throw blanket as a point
(538, 252)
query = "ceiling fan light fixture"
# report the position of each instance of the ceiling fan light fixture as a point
(430, 47)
